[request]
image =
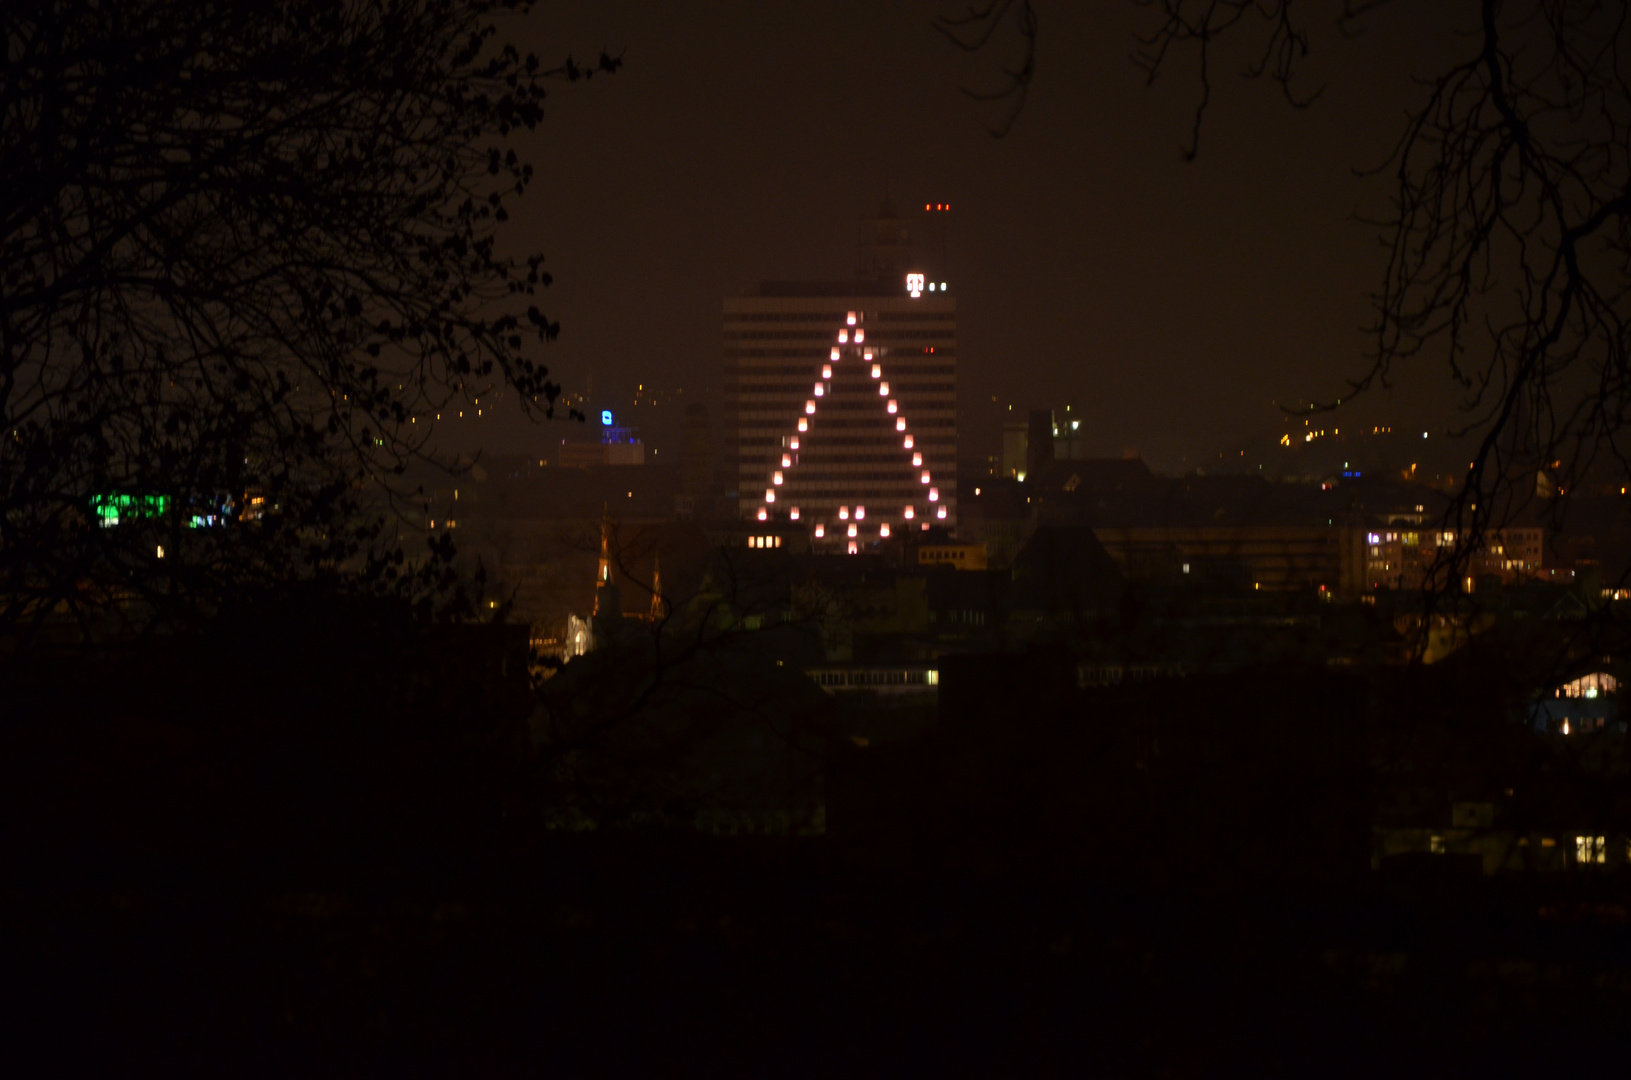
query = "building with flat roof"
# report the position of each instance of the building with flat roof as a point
(841, 400)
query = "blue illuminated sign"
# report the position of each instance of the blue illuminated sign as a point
(605, 418)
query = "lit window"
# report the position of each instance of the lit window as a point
(860, 512)
(917, 460)
(770, 495)
(777, 479)
(850, 318)
(804, 425)
(835, 352)
(883, 530)
(908, 442)
(941, 513)
(892, 407)
(925, 477)
(843, 513)
(843, 337)
(821, 530)
(854, 530)
(826, 371)
(809, 408)
(853, 549)
(934, 494)
(900, 424)
(883, 389)
(762, 514)
(860, 336)
(787, 461)
(877, 370)
(794, 445)
(820, 389)
(909, 513)
(794, 514)
(1590, 849)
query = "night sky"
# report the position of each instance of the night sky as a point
(1171, 304)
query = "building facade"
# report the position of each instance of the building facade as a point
(841, 407)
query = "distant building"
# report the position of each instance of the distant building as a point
(841, 399)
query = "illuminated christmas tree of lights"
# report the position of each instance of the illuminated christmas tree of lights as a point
(840, 519)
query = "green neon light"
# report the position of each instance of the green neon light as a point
(110, 510)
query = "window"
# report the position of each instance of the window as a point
(1590, 849)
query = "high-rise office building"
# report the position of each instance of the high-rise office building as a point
(841, 398)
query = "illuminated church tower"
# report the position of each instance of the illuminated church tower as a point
(841, 398)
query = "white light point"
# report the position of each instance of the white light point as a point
(892, 408)
(860, 336)
(770, 495)
(843, 513)
(843, 337)
(941, 513)
(867, 355)
(835, 352)
(917, 459)
(820, 389)
(883, 530)
(925, 476)
(883, 389)
(934, 494)
(900, 424)
(762, 514)
(860, 512)
(826, 371)
(804, 425)
(787, 461)
(877, 369)
(777, 479)
(909, 513)
(852, 548)
(809, 407)
(793, 444)
(854, 530)
(914, 285)
(849, 318)
(907, 443)
(821, 531)
(794, 515)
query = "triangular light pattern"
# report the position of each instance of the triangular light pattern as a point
(851, 470)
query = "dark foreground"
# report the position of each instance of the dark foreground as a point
(206, 870)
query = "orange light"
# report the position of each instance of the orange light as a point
(804, 425)
(821, 530)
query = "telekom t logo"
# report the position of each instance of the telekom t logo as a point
(914, 284)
